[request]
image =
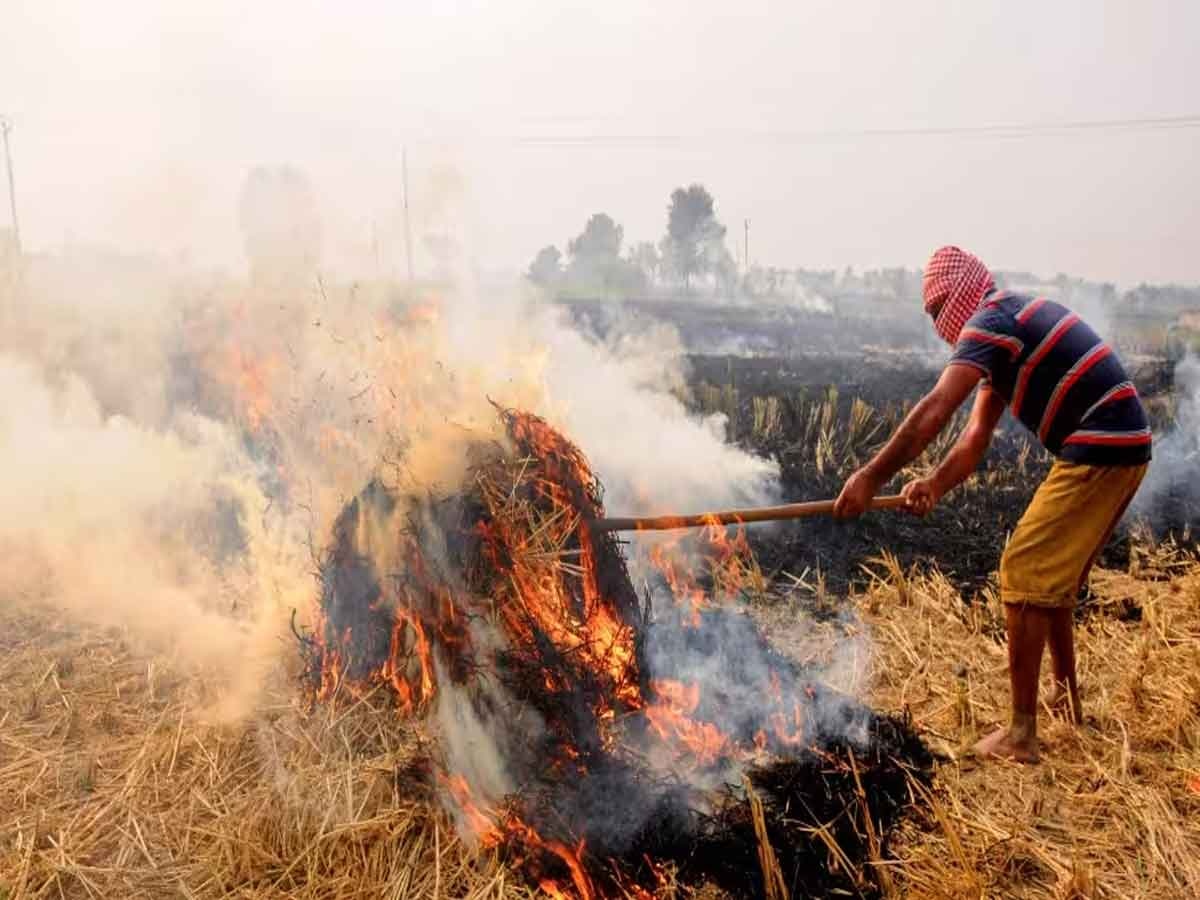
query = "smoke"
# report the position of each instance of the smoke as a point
(1169, 497)
(1088, 299)
(178, 442)
(478, 741)
(119, 524)
(622, 406)
(730, 661)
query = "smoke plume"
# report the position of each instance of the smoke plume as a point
(178, 441)
(1169, 497)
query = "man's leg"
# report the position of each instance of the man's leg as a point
(1064, 696)
(1028, 630)
(1045, 561)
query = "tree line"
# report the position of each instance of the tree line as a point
(690, 255)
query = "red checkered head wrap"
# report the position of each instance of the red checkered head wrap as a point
(956, 282)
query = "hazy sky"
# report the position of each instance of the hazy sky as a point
(134, 124)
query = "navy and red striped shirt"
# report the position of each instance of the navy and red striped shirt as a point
(1059, 379)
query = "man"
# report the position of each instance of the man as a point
(1066, 385)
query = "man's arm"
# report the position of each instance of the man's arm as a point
(924, 493)
(915, 433)
(972, 444)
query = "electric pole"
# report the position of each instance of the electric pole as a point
(746, 244)
(5, 128)
(407, 225)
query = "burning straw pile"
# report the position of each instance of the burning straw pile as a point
(603, 746)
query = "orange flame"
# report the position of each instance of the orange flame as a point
(548, 588)
(250, 379)
(394, 670)
(670, 719)
(483, 826)
(481, 823)
(571, 857)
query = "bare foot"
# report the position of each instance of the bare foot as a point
(1063, 705)
(1000, 744)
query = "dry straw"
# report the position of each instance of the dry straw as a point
(1113, 810)
(112, 785)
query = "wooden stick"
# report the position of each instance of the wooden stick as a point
(735, 516)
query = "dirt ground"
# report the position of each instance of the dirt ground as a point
(116, 782)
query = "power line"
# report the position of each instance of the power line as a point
(1003, 130)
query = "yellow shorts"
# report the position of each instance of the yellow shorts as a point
(1067, 524)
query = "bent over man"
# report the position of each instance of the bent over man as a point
(1066, 385)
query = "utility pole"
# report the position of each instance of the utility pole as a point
(407, 225)
(5, 128)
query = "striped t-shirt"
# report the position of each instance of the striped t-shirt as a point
(1059, 379)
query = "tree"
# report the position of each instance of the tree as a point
(546, 268)
(281, 228)
(599, 244)
(695, 240)
(644, 257)
(772, 281)
(596, 257)
(725, 272)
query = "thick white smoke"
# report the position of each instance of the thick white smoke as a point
(1169, 496)
(177, 442)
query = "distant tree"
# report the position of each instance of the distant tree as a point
(772, 281)
(595, 258)
(281, 228)
(546, 268)
(645, 258)
(725, 272)
(600, 240)
(823, 281)
(695, 240)
(899, 284)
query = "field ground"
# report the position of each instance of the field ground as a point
(113, 785)
(1113, 810)
(118, 780)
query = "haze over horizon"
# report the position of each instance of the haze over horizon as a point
(830, 126)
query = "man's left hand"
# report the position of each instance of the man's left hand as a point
(856, 496)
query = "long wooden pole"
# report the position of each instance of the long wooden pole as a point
(735, 516)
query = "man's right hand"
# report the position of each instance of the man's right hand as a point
(921, 496)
